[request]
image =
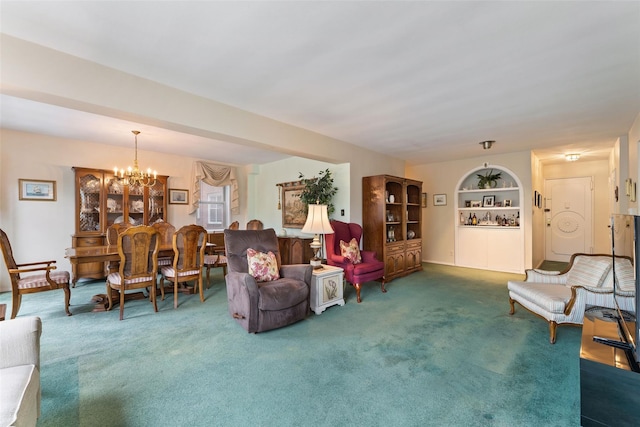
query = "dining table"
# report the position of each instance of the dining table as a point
(107, 253)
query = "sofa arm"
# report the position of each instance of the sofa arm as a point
(20, 342)
(542, 276)
(297, 271)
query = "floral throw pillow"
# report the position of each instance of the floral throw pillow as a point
(351, 251)
(263, 267)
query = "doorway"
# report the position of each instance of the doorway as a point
(568, 207)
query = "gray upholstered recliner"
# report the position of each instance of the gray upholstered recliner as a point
(261, 306)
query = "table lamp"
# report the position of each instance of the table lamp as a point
(317, 224)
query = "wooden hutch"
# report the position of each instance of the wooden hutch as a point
(101, 201)
(392, 222)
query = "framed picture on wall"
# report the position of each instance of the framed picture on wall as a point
(294, 213)
(36, 189)
(178, 197)
(439, 200)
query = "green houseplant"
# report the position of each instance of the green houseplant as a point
(489, 179)
(319, 189)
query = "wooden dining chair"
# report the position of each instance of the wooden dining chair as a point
(235, 225)
(113, 231)
(255, 224)
(215, 256)
(138, 269)
(165, 236)
(189, 244)
(46, 280)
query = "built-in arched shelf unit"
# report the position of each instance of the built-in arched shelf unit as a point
(495, 239)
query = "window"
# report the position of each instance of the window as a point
(213, 212)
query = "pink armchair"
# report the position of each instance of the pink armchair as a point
(368, 270)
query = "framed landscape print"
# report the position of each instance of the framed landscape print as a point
(294, 212)
(439, 200)
(35, 189)
(178, 197)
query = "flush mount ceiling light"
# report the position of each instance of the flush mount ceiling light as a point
(572, 157)
(487, 144)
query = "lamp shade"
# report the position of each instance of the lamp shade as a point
(317, 220)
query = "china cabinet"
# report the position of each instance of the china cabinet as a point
(101, 200)
(488, 218)
(392, 222)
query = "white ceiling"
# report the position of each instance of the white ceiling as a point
(423, 81)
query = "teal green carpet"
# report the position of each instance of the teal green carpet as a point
(439, 349)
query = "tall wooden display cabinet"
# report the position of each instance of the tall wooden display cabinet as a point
(392, 222)
(102, 201)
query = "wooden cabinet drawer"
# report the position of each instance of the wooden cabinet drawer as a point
(81, 242)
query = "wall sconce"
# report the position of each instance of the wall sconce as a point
(487, 144)
(572, 157)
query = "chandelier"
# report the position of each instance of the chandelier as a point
(134, 176)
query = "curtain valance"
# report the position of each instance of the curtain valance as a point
(217, 176)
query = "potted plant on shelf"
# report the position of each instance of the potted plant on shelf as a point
(319, 190)
(489, 179)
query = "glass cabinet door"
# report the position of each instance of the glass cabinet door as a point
(89, 186)
(135, 207)
(115, 200)
(156, 207)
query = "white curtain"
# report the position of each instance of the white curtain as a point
(218, 176)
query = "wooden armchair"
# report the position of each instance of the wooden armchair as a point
(20, 285)
(138, 267)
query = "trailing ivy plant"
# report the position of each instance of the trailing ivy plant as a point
(319, 189)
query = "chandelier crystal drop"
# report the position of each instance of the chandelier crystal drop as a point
(133, 176)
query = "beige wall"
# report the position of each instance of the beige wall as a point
(439, 221)
(537, 215)
(42, 230)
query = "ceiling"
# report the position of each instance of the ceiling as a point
(422, 81)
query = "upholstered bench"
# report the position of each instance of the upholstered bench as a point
(561, 297)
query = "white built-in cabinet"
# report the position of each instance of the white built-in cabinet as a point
(495, 239)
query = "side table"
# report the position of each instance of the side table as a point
(326, 288)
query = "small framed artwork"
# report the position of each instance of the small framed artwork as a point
(535, 199)
(424, 200)
(439, 200)
(476, 204)
(507, 203)
(178, 197)
(539, 200)
(488, 201)
(467, 203)
(35, 189)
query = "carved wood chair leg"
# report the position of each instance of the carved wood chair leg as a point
(67, 299)
(153, 295)
(109, 298)
(208, 269)
(162, 287)
(121, 303)
(358, 286)
(175, 291)
(513, 306)
(552, 332)
(201, 290)
(15, 305)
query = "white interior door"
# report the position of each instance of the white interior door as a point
(569, 217)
